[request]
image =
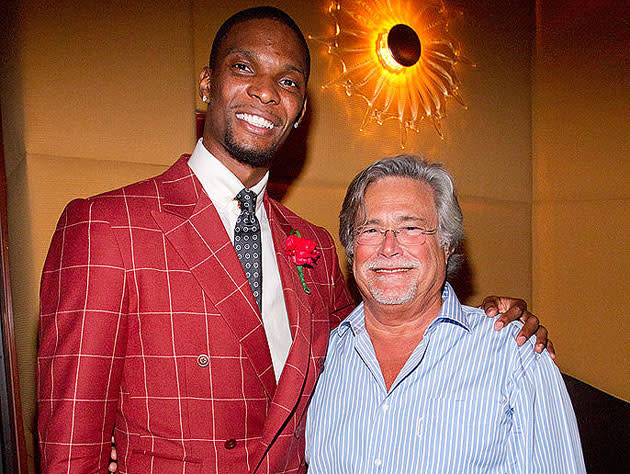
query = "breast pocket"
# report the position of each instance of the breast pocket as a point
(463, 435)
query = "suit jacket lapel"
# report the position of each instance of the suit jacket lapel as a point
(299, 310)
(192, 225)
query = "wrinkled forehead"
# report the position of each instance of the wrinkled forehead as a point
(393, 199)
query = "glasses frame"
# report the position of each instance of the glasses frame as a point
(394, 230)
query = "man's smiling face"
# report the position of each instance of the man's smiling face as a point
(256, 92)
(390, 273)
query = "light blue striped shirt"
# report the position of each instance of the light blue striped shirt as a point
(468, 400)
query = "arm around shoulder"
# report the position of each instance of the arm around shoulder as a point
(82, 342)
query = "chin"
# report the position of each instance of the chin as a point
(252, 156)
(389, 297)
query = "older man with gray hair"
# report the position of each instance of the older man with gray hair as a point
(415, 382)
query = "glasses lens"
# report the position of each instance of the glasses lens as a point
(369, 235)
(410, 235)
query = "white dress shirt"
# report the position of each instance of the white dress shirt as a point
(222, 187)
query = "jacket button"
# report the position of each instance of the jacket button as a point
(230, 444)
(203, 360)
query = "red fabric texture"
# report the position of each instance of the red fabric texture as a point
(140, 284)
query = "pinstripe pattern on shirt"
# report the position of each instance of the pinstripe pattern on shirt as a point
(468, 400)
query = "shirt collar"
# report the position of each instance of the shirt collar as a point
(451, 312)
(218, 181)
(355, 321)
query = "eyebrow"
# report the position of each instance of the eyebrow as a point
(398, 220)
(253, 57)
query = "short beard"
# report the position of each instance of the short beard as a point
(389, 297)
(251, 157)
(386, 297)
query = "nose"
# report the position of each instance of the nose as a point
(264, 89)
(390, 246)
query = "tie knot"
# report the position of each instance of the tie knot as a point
(247, 200)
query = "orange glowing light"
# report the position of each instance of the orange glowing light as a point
(378, 43)
(385, 55)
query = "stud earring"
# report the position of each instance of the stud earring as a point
(205, 99)
(296, 125)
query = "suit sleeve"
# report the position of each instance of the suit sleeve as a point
(341, 303)
(82, 342)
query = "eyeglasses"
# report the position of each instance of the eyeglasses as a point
(406, 235)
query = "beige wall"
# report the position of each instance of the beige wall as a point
(94, 95)
(487, 147)
(99, 94)
(581, 219)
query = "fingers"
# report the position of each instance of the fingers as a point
(551, 349)
(490, 305)
(530, 327)
(541, 339)
(512, 310)
(113, 465)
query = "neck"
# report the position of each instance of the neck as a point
(396, 330)
(247, 174)
(401, 320)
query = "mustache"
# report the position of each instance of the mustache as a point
(383, 263)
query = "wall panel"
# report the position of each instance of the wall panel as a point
(581, 176)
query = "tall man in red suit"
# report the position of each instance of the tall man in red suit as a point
(171, 315)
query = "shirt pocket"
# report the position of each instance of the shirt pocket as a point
(465, 435)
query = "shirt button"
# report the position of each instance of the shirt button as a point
(230, 443)
(203, 360)
(378, 462)
(385, 407)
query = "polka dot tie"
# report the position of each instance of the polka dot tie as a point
(247, 242)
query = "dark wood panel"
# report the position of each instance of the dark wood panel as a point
(12, 433)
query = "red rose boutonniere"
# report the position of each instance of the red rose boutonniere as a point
(303, 253)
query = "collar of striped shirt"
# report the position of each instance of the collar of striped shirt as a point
(451, 312)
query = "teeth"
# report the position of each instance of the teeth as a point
(395, 270)
(255, 120)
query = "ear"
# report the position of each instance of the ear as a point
(302, 113)
(204, 83)
(447, 253)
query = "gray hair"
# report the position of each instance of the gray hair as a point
(450, 218)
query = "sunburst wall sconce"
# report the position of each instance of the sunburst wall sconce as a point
(399, 57)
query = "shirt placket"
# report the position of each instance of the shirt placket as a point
(387, 411)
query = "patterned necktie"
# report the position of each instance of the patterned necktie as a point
(247, 242)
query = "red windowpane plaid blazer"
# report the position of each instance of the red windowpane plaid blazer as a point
(149, 329)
